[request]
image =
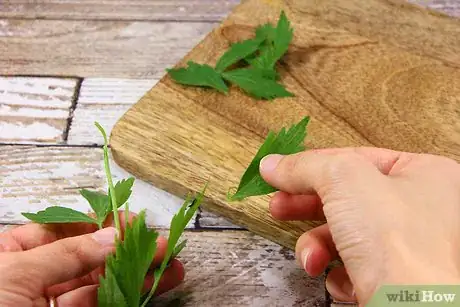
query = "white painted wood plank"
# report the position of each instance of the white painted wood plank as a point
(32, 178)
(104, 100)
(34, 110)
(450, 7)
(113, 90)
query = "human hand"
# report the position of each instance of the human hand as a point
(64, 261)
(392, 217)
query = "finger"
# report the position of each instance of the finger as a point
(339, 286)
(93, 277)
(172, 277)
(288, 207)
(162, 245)
(315, 249)
(384, 159)
(33, 235)
(68, 258)
(84, 296)
(316, 172)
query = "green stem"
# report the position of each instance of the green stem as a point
(108, 174)
(157, 275)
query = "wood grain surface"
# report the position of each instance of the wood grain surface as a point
(154, 10)
(360, 89)
(134, 49)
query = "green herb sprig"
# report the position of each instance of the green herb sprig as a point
(284, 143)
(125, 271)
(259, 78)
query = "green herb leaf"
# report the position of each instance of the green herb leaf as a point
(179, 247)
(123, 190)
(237, 52)
(255, 82)
(99, 202)
(127, 269)
(109, 293)
(178, 223)
(199, 75)
(282, 37)
(284, 143)
(266, 32)
(58, 215)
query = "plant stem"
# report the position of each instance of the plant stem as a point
(108, 174)
(157, 275)
(113, 197)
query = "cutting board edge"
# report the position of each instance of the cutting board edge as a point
(284, 237)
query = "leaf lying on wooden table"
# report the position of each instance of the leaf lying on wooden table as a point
(284, 143)
(125, 271)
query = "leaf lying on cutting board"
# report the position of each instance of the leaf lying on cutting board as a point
(258, 83)
(282, 37)
(199, 75)
(284, 143)
(56, 214)
(237, 52)
(261, 53)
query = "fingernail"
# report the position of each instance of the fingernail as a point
(343, 291)
(305, 255)
(106, 236)
(269, 163)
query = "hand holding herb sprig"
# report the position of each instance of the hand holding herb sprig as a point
(125, 271)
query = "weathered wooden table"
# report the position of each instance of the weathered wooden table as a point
(66, 64)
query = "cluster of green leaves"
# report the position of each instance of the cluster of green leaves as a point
(284, 143)
(260, 54)
(125, 270)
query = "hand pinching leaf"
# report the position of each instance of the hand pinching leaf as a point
(284, 143)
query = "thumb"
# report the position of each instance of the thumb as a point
(69, 258)
(317, 173)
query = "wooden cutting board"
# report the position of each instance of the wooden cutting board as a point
(379, 73)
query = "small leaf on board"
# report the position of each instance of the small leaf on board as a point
(281, 37)
(259, 83)
(58, 215)
(199, 75)
(237, 52)
(284, 143)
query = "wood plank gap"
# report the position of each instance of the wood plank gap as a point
(50, 145)
(73, 106)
